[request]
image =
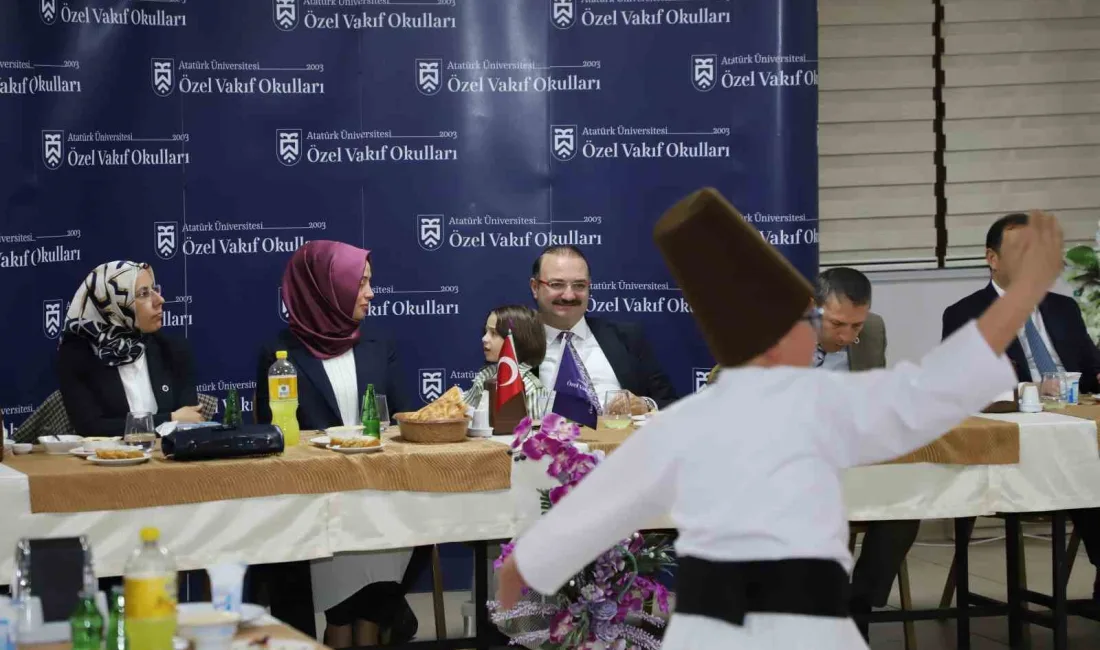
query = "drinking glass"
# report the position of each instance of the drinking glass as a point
(139, 430)
(383, 411)
(539, 405)
(1052, 391)
(616, 410)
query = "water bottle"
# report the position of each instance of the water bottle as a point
(282, 392)
(151, 594)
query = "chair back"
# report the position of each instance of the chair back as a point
(56, 573)
(49, 419)
(208, 406)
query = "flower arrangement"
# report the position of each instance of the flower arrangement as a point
(605, 605)
(1083, 274)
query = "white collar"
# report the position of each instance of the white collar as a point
(997, 287)
(580, 331)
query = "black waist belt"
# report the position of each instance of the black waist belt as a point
(729, 590)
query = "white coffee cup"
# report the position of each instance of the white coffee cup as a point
(1029, 399)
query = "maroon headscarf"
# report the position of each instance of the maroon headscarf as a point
(320, 288)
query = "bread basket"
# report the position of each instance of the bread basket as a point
(432, 431)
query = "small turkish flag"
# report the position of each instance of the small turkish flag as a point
(509, 382)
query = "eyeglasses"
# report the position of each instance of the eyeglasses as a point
(558, 286)
(814, 317)
(146, 293)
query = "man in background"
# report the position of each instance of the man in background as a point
(1054, 339)
(853, 338)
(615, 354)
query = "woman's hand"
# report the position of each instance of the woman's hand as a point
(188, 415)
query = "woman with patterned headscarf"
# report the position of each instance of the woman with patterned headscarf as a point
(114, 359)
(327, 292)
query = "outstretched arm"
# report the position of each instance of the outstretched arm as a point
(883, 414)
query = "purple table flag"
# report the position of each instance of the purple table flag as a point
(575, 397)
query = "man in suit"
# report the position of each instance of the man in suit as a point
(615, 354)
(1053, 340)
(853, 338)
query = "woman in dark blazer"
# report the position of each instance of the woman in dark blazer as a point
(326, 289)
(114, 359)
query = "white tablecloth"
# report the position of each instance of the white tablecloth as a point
(1059, 469)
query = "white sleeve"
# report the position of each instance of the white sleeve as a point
(627, 491)
(879, 415)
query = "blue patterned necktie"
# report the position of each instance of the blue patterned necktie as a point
(1044, 363)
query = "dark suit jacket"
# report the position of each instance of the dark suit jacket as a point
(869, 350)
(1063, 322)
(375, 363)
(92, 391)
(635, 365)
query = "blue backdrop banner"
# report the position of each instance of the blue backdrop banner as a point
(455, 139)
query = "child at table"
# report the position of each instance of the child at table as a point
(530, 341)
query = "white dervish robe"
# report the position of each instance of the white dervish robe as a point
(749, 469)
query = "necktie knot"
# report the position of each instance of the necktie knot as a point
(565, 337)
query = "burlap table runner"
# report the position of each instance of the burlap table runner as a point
(976, 441)
(1088, 409)
(70, 484)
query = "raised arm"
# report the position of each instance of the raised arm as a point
(627, 491)
(884, 414)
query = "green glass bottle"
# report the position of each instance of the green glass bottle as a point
(372, 426)
(232, 409)
(116, 624)
(86, 623)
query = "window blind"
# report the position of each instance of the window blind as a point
(1022, 116)
(876, 141)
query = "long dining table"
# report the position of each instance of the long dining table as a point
(310, 503)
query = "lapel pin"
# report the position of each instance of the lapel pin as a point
(164, 388)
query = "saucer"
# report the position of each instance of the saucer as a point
(487, 432)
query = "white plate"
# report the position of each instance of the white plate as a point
(353, 430)
(356, 450)
(320, 441)
(252, 614)
(120, 462)
(82, 452)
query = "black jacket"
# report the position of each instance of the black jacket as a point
(635, 365)
(1064, 325)
(93, 394)
(375, 363)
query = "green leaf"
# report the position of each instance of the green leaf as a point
(1084, 257)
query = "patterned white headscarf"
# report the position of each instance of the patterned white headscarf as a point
(102, 313)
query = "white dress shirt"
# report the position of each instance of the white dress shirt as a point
(341, 374)
(588, 348)
(138, 386)
(750, 469)
(1037, 320)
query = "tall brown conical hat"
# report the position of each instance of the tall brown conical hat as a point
(745, 296)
